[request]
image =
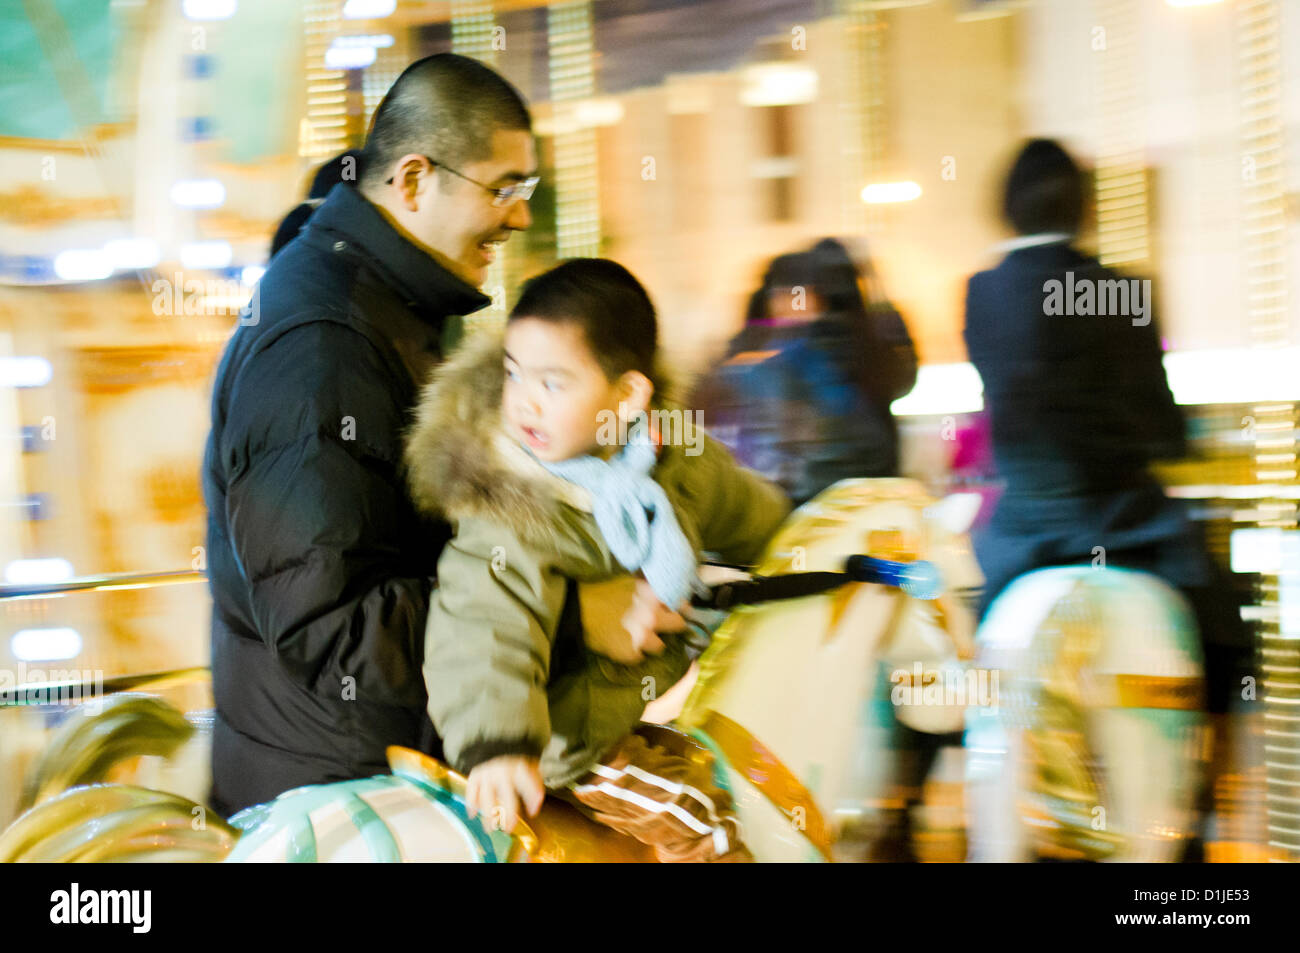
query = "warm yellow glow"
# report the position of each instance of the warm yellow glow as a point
(881, 193)
(778, 84)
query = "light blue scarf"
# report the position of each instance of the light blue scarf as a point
(635, 516)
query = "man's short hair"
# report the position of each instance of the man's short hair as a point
(446, 107)
(1044, 191)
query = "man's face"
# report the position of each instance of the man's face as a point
(455, 220)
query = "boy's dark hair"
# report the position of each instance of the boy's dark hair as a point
(446, 107)
(603, 299)
(1044, 191)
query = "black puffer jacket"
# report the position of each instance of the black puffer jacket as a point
(320, 567)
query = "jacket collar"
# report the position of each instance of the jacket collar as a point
(1031, 241)
(426, 287)
(461, 463)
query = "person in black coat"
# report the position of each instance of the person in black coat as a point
(342, 168)
(1080, 408)
(319, 566)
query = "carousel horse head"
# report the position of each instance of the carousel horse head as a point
(800, 675)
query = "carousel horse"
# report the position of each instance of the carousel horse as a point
(777, 710)
(1095, 752)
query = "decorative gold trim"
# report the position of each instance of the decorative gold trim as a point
(1158, 691)
(436, 774)
(763, 769)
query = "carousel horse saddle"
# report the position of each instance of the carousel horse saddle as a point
(562, 831)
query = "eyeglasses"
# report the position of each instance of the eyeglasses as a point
(502, 196)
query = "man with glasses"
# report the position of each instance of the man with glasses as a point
(320, 568)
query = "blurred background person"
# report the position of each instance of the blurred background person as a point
(1080, 409)
(344, 167)
(803, 395)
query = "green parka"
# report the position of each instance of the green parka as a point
(505, 663)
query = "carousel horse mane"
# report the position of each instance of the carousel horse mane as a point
(72, 817)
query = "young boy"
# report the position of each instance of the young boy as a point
(515, 444)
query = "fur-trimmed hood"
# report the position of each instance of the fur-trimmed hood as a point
(461, 462)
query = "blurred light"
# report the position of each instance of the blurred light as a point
(34, 571)
(373, 40)
(882, 193)
(368, 9)
(1212, 376)
(252, 274)
(209, 9)
(1256, 550)
(774, 167)
(206, 254)
(37, 506)
(1233, 375)
(943, 389)
(132, 253)
(561, 125)
(40, 645)
(88, 264)
(778, 84)
(197, 128)
(1192, 3)
(200, 65)
(25, 372)
(349, 57)
(598, 112)
(198, 193)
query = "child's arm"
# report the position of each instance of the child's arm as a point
(487, 656)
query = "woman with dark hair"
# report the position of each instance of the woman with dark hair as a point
(344, 167)
(800, 396)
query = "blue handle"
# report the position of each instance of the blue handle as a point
(920, 579)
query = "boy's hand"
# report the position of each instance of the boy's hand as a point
(620, 618)
(646, 617)
(497, 786)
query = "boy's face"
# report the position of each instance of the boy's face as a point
(556, 396)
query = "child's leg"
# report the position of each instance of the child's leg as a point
(667, 802)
